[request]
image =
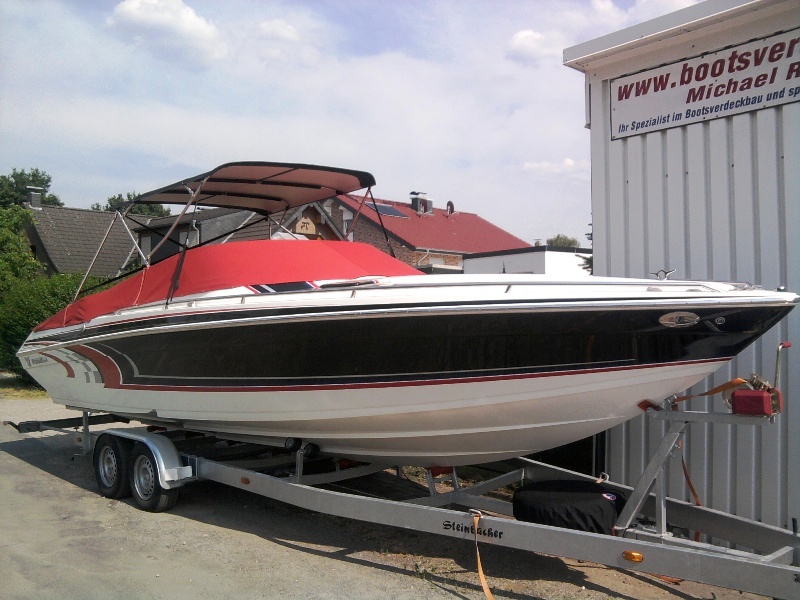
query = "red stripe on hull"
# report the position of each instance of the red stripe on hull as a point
(112, 378)
(63, 363)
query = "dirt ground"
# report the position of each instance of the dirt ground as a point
(60, 538)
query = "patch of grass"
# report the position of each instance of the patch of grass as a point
(12, 386)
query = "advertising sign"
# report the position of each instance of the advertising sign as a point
(737, 79)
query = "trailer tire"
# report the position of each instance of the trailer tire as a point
(147, 492)
(111, 459)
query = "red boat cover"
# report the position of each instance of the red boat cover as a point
(224, 266)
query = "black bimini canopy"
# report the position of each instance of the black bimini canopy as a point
(262, 187)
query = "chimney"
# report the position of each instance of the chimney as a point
(35, 197)
(421, 203)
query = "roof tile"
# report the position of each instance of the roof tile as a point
(71, 236)
(441, 230)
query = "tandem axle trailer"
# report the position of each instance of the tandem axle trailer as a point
(651, 533)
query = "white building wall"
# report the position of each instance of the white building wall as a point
(558, 264)
(528, 262)
(566, 264)
(714, 200)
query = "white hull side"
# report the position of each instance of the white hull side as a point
(423, 424)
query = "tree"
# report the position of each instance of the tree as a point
(153, 210)
(28, 302)
(588, 264)
(17, 266)
(16, 259)
(14, 187)
(563, 241)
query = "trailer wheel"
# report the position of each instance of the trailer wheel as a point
(111, 459)
(145, 487)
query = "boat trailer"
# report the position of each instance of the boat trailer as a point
(651, 533)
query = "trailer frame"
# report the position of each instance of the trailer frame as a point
(754, 557)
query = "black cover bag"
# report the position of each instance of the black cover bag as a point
(573, 504)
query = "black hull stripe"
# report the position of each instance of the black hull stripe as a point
(113, 381)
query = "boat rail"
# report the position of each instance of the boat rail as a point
(376, 283)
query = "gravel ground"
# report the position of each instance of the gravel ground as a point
(62, 539)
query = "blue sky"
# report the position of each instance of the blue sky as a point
(466, 100)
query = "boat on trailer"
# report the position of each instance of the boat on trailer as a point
(343, 349)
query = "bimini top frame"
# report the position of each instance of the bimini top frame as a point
(261, 187)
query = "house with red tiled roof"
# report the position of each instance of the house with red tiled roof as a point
(420, 234)
(428, 238)
(212, 225)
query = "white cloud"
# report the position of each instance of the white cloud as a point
(278, 42)
(573, 23)
(568, 166)
(643, 10)
(170, 30)
(278, 29)
(431, 103)
(608, 15)
(607, 11)
(531, 46)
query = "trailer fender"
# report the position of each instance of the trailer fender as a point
(171, 472)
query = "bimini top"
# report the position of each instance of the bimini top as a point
(262, 187)
(254, 264)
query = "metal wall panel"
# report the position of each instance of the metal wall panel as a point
(790, 192)
(714, 200)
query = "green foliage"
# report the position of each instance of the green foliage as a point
(563, 241)
(588, 263)
(27, 303)
(153, 210)
(16, 259)
(14, 187)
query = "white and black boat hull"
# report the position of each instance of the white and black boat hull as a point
(378, 376)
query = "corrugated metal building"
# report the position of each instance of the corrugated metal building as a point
(695, 141)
